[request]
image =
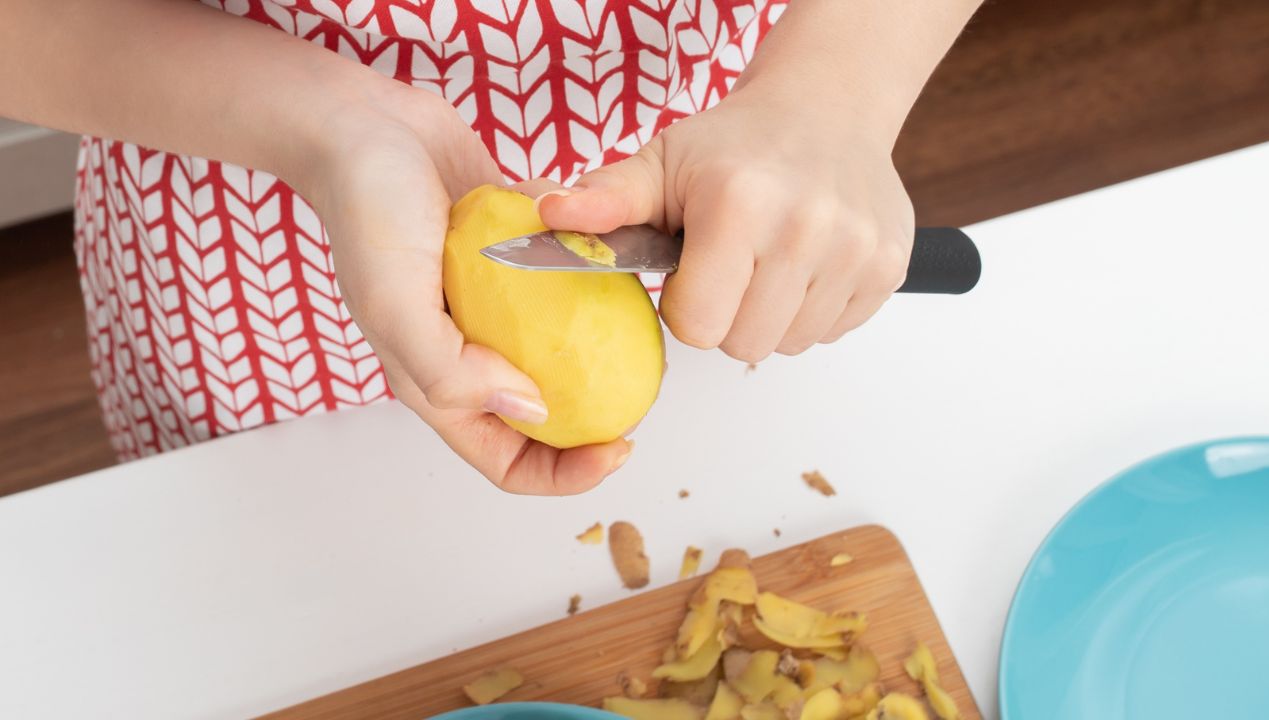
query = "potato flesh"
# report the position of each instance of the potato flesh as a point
(493, 685)
(659, 709)
(591, 342)
(587, 246)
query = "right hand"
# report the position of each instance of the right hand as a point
(383, 183)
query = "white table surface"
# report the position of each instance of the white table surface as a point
(257, 571)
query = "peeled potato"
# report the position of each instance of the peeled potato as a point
(591, 341)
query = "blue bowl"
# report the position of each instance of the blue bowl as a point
(1150, 599)
(528, 711)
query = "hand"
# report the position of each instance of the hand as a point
(383, 184)
(796, 229)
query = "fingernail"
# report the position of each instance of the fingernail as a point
(514, 406)
(562, 192)
(621, 460)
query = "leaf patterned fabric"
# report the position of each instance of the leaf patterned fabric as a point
(210, 294)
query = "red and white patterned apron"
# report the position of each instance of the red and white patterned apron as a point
(211, 300)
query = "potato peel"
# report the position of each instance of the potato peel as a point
(593, 535)
(694, 667)
(920, 666)
(897, 706)
(818, 483)
(691, 562)
(626, 545)
(840, 559)
(493, 685)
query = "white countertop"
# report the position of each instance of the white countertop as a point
(257, 571)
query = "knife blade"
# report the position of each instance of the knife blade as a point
(944, 259)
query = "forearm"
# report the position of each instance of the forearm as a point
(174, 75)
(862, 60)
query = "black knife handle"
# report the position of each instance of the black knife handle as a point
(944, 260)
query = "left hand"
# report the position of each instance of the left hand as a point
(797, 229)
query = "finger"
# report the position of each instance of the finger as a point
(884, 274)
(775, 294)
(857, 312)
(400, 298)
(536, 187)
(507, 458)
(825, 301)
(629, 192)
(699, 302)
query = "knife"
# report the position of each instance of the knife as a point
(944, 259)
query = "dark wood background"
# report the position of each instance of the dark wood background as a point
(1037, 101)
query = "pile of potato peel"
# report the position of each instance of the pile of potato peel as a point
(722, 665)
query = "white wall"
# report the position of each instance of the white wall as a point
(37, 171)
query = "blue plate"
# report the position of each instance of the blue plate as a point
(1150, 599)
(528, 711)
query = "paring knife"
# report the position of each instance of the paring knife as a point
(944, 259)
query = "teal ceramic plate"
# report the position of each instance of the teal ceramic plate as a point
(1150, 599)
(528, 711)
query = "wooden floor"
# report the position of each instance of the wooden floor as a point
(1038, 100)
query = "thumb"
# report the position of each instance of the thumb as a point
(629, 192)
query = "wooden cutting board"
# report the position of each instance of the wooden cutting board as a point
(577, 660)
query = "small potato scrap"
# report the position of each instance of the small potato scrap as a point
(588, 246)
(660, 709)
(816, 481)
(592, 535)
(574, 604)
(840, 559)
(921, 667)
(493, 685)
(626, 545)
(691, 562)
(632, 687)
(897, 706)
(684, 494)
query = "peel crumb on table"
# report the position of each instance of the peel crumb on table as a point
(816, 481)
(592, 535)
(684, 494)
(574, 604)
